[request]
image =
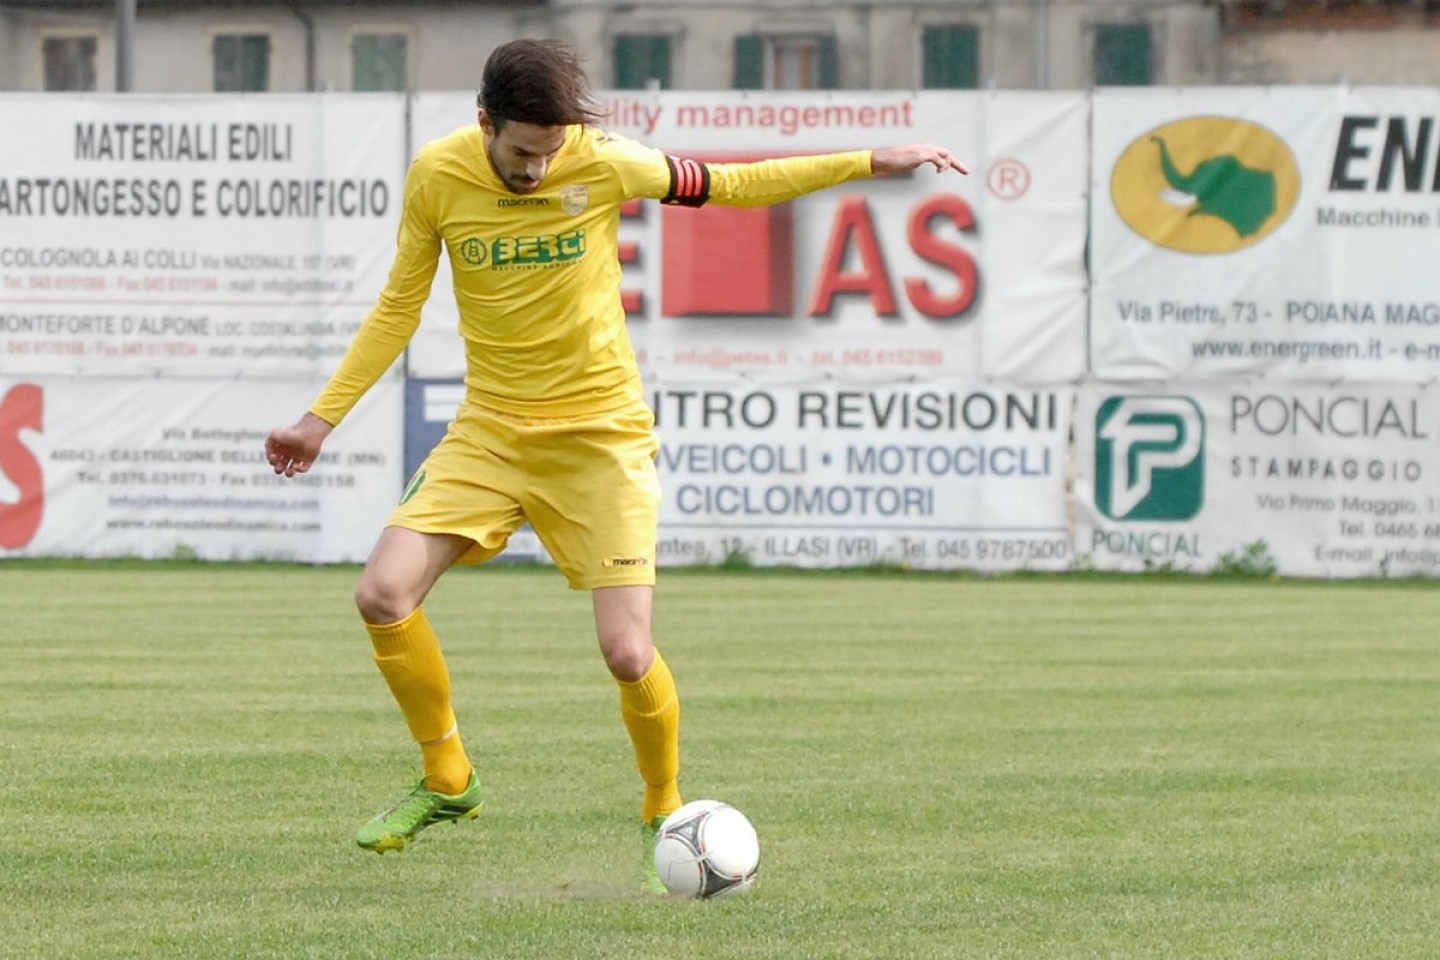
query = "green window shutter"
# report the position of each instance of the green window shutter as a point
(378, 61)
(641, 59)
(69, 63)
(749, 63)
(829, 78)
(227, 64)
(951, 57)
(242, 63)
(1122, 55)
(255, 63)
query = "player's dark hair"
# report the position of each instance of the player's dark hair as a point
(539, 82)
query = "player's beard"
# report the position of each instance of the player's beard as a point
(515, 182)
(521, 185)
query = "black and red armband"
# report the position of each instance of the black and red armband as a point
(689, 182)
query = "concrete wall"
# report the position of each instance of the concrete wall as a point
(1023, 43)
(1400, 55)
(448, 44)
(879, 43)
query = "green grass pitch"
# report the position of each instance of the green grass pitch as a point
(1047, 768)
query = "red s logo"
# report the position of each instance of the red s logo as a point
(21, 409)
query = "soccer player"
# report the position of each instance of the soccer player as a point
(554, 429)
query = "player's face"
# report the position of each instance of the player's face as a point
(521, 152)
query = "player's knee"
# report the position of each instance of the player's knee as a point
(379, 602)
(628, 658)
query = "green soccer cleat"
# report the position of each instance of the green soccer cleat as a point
(396, 827)
(650, 881)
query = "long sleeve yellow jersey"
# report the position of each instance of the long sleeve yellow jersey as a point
(537, 276)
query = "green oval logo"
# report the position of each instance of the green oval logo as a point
(473, 251)
(1206, 184)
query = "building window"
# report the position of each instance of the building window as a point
(69, 63)
(950, 57)
(641, 60)
(1122, 55)
(379, 61)
(242, 62)
(786, 63)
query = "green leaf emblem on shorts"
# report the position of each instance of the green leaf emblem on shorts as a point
(413, 487)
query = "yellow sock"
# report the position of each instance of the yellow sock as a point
(408, 654)
(651, 709)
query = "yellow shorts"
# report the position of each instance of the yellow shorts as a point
(587, 485)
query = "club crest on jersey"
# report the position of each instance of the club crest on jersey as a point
(574, 199)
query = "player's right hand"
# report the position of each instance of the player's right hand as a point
(294, 449)
(907, 158)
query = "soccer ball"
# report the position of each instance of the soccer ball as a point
(706, 849)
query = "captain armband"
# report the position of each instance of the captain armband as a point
(689, 182)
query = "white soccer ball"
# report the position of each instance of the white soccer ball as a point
(707, 849)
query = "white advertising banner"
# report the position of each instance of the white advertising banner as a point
(928, 276)
(1320, 481)
(198, 236)
(944, 476)
(124, 467)
(1290, 233)
(941, 476)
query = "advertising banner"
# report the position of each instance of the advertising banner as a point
(942, 476)
(201, 236)
(928, 276)
(124, 467)
(1316, 481)
(1290, 233)
(945, 476)
(430, 405)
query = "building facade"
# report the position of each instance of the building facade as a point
(344, 45)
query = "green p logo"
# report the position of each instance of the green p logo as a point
(1148, 458)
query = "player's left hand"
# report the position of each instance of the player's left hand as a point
(907, 158)
(293, 449)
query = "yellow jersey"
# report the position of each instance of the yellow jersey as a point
(537, 276)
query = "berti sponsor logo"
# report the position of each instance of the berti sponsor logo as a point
(542, 250)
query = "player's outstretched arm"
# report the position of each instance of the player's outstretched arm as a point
(907, 158)
(761, 183)
(293, 449)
